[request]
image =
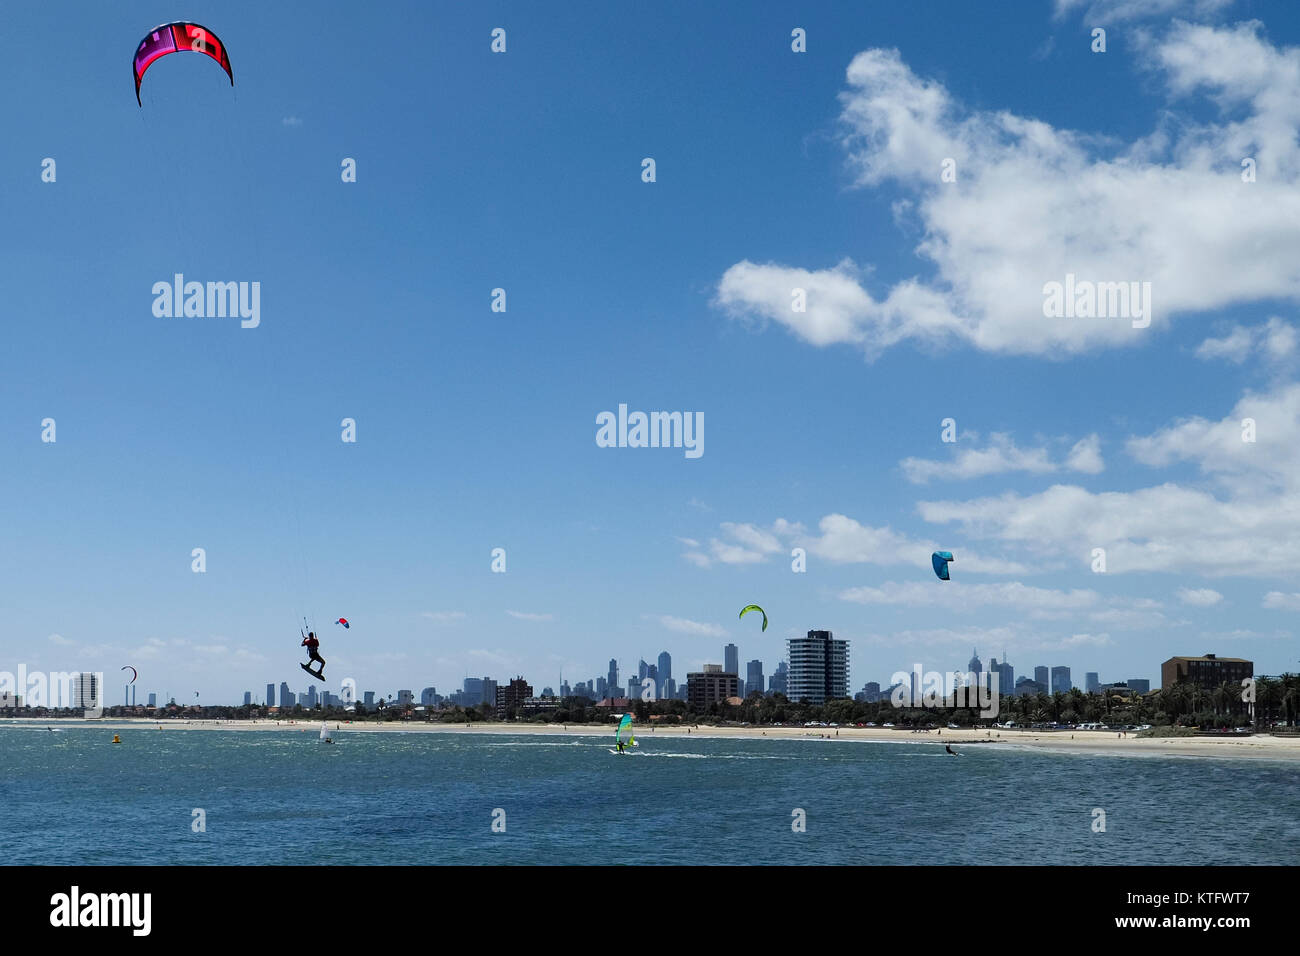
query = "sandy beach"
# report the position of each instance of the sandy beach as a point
(1236, 746)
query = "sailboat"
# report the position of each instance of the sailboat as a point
(623, 735)
(324, 734)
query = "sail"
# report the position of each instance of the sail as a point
(624, 733)
(324, 734)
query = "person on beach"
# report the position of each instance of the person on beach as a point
(313, 654)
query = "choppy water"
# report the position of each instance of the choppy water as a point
(281, 797)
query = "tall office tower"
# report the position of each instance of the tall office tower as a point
(754, 677)
(1060, 680)
(779, 683)
(270, 695)
(731, 660)
(613, 676)
(1092, 682)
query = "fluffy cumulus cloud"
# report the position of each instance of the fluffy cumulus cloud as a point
(1244, 518)
(1033, 203)
(1280, 601)
(1199, 597)
(1001, 456)
(1273, 341)
(841, 540)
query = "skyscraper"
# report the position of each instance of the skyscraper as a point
(1061, 680)
(270, 695)
(428, 696)
(1040, 675)
(85, 691)
(248, 698)
(819, 667)
(754, 677)
(731, 660)
(1092, 682)
(652, 675)
(975, 667)
(779, 682)
(310, 699)
(367, 700)
(1006, 675)
(665, 666)
(612, 677)
(473, 691)
(286, 698)
(153, 700)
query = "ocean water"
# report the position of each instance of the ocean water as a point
(281, 797)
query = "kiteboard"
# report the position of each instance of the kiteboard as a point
(307, 668)
(627, 751)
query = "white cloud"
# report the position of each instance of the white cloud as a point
(60, 640)
(530, 616)
(843, 540)
(1233, 347)
(963, 637)
(1106, 12)
(1275, 340)
(1002, 456)
(954, 594)
(291, 121)
(1033, 203)
(444, 617)
(1278, 601)
(1199, 597)
(1085, 456)
(1081, 640)
(1270, 462)
(683, 625)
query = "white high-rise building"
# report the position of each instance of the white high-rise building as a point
(819, 668)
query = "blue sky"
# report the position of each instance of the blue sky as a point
(476, 429)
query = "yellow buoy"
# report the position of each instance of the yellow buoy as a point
(117, 739)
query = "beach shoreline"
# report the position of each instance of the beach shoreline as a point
(1232, 746)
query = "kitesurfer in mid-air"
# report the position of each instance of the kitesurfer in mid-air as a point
(312, 644)
(948, 747)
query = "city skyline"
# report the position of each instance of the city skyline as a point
(1115, 490)
(484, 687)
